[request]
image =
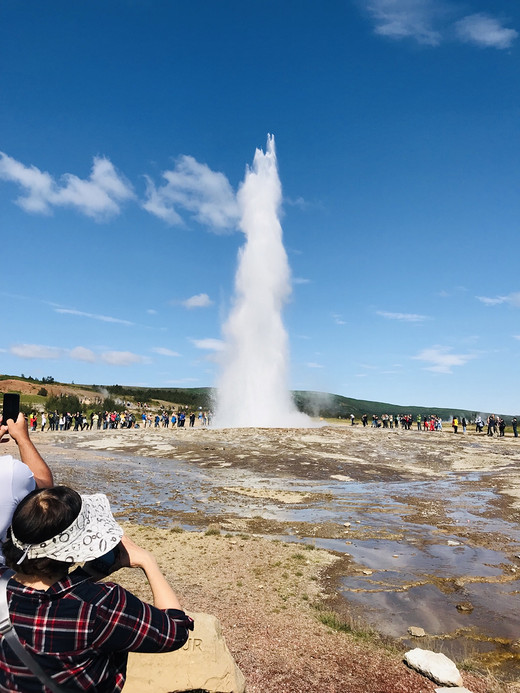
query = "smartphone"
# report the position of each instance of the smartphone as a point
(11, 407)
(105, 563)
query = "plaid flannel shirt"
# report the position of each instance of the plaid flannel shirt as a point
(80, 632)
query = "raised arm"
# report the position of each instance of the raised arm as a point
(28, 453)
(134, 556)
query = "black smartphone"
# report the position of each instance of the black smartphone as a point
(10, 407)
(105, 563)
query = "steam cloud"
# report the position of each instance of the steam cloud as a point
(253, 388)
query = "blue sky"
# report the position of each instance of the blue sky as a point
(126, 128)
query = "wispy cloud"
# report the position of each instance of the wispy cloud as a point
(162, 351)
(485, 31)
(122, 358)
(182, 381)
(441, 359)
(403, 317)
(300, 280)
(198, 301)
(82, 354)
(93, 316)
(400, 19)
(196, 189)
(338, 319)
(208, 344)
(79, 353)
(431, 22)
(296, 202)
(36, 351)
(512, 299)
(312, 364)
(98, 196)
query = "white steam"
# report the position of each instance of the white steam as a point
(253, 388)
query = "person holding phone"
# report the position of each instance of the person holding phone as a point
(18, 477)
(80, 631)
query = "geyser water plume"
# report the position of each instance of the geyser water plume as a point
(253, 388)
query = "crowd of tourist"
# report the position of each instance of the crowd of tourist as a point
(406, 421)
(496, 425)
(103, 420)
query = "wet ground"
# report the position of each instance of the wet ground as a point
(427, 523)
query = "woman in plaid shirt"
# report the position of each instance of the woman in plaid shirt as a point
(78, 630)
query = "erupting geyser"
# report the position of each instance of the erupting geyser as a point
(253, 389)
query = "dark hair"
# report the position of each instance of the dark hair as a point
(41, 515)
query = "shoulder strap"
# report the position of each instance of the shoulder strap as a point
(9, 633)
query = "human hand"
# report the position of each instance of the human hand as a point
(4, 430)
(131, 555)
(18, 429)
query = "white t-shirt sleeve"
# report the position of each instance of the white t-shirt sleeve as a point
(16, 481)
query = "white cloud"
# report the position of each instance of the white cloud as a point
(404, 317)
(93, 316)
(121, 358)
(194, 188)
(182, 381)
(513, 299)
(296, 202)
(311, 364)
(441, 359)
(209, 344)
(485, 31)
(516, 336)
(80, 353)
(430, 22)
(301, 280)
(198, 301)
(36, 351)
(400, 19)
(338, 319)
(157, 203)
(151, 311)
(98, 197)
(492, 301)
(162, 351)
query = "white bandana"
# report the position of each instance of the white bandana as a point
(92, 534)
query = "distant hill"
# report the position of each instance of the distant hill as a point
(313, 403)
(337, 406)
(321, 404)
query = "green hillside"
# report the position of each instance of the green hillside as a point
(321, 404)
(337, 406)
(312, 403)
